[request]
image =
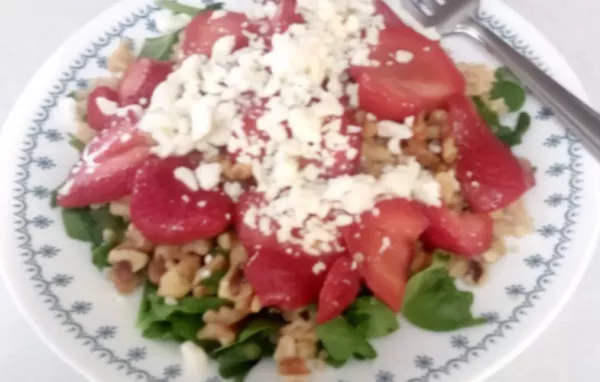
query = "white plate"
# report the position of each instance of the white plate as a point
(75, 309)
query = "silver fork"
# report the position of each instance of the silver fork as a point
(460, 17)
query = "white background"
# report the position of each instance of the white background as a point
(569, 351)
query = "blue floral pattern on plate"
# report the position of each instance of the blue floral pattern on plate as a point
(36, 249)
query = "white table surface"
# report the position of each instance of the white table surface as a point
(569, 351)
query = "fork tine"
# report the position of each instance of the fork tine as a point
(415, 8)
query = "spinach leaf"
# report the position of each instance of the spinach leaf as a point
(508, 135)
(80, 225)
(76, 143)
(505, 74)
(372, 318)
(189, 305)
(433, 302)
(515, 137)
(342, 341)
(100, 255)
(212, 282)
(185, 9)
(160, 48)
(511, 93)
(252, 345)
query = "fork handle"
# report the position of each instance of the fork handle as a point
(569, 109)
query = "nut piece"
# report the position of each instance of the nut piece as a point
(286, 348)
(156, 269)
(294, 366)
(225, 315)
(218, 332)
(199, 247)
(84, 132)
(237, 171)
(226, 240)
(137, 259)
(121, 58)
(120, 208)
(136, 240)
(173, 284)
(123, 278)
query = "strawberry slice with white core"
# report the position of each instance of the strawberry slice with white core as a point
(107, 167)
(205, 31)
(140, 80)
(167, 211)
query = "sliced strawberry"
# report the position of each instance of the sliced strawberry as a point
(346, 159)
(490, 176)
(140, 80)
(385, 239)
(252, 237)
(95, 116)
(285, 16)
(107, 167)
(396, 90)
(284, 281)
(167, 212)
(398, 217)
(386, 263)
(465, 234)
(339, 290)
(248, 142)
(204, 30)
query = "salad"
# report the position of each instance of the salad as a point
(285, 182)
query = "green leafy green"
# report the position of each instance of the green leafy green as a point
(515, 137)
(507, 88)
(508, 135)
(342, 341)
(511, 93)
(253, 343)
(372, 318)
(160, 48)
(181, 321)
(433, 302)
(212, 282)
(88, 224)
(76, 143)
(100, 255)
(185, 9)
(505, 74)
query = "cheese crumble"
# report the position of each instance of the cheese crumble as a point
(279, 110)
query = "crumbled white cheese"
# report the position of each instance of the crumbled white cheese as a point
(106, 106)
(404, 56)
(218, 14)
(209, 175)
(385, 244)
(187, 177)
(195, 361)
(204, 105)
(319, 267)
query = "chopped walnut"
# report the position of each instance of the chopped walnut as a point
(121, 58)
(124, 279)
(136, 259)
(217, 332)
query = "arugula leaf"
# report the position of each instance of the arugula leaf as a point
(433, 302)
(160, 48)
(263, 326)
(186, 9)
(511, 93)
(342, 341)
(372, 318)
(76, 143)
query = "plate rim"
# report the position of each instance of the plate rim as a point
(8, 135)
